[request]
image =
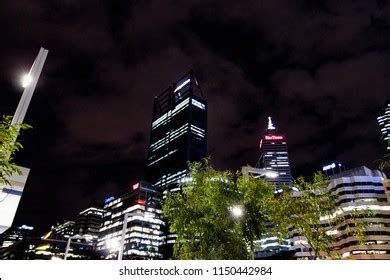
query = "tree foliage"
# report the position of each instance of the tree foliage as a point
(8, 147)
(313, 213)
(384, 163)
(201, 214)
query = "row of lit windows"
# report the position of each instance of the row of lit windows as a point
(170, 136)
(179, 107)
(161, 158)
(168, 178)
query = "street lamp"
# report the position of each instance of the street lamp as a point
(26, 80)
(77, 236)
(237, 211)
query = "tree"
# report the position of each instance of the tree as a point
(201, 215)
(384, 163)
(8, 147)
(313, 213)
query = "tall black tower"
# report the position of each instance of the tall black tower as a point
(178, 132)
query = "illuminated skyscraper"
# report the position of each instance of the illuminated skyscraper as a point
(88, 223)
(178, 132)
(384, 124)
(144, 227)
(274, 156)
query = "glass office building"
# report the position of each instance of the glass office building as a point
(178, 133)
(144, 232)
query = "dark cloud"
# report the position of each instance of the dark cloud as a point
(319, 68)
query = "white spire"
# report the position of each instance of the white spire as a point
(270, 124)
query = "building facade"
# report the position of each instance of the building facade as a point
(274, 167)
(274, 157)
(14, 235)
(88, 223)
(144, 232)
(62, 231)
(357, 189)
(384, 124)
(178, 132)
(10, 195)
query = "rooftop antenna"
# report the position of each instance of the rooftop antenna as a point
(270, 124)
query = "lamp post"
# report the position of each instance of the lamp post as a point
(86, 236)
(29, 82)
(124, 228)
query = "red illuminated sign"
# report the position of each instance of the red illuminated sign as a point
(135, 186)
(140, 201)
(273, 137)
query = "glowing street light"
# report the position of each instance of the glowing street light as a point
(237, 211)
(26, 80)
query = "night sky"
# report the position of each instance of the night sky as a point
(321, 69)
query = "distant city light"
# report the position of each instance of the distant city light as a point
(109, 199)
(26, 80)
(330, 166)
(140, 201)
(26, 227)
(135, 186)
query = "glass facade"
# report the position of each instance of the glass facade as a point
(145, 227)
(178, 133)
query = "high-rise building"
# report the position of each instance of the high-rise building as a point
(62, 231)
(384, 124)
(14, 235)
(144, 232)
(178, 132)
(274, 157)
(356, 189)
(274, 167)
(88, 223)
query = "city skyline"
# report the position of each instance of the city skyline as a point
(92, 106)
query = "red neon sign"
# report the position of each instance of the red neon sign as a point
(135, 186)
(273, 137)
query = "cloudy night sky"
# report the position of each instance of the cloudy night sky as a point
(320, 68)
